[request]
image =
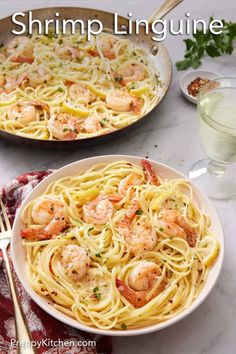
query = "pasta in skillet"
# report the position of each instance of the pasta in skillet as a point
(64, 87)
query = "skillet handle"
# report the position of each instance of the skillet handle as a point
(163, 10)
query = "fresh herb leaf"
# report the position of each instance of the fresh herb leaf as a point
(50, 35)
(183, 64)
(98, 255)
(123, 326)
(212, 51)
(208, 43)
(96, 292)
(189, 43)
(139, 212)
(118, 78)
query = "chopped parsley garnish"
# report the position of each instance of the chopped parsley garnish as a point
(98, 255)
(60, 89)
(96, 292)
(161, 229)
(133, 86)
(123, 326)
(91, 228)
(60, 41)
(139, 212)
(118, 78)
(50, 35)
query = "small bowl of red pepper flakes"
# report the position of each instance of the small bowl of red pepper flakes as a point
(192, 82)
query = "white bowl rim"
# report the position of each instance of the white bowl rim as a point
(42, 302)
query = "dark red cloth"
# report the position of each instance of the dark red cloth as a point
(41, 325)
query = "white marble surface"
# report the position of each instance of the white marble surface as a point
(211, 329)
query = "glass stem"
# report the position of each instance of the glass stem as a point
(216, 168)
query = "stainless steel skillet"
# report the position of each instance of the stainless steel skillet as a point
(158, 53)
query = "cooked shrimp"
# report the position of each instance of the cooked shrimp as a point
(63, 126)
(25, 111)
(127, 182)
(139, 235)
(174, 224)
(76, 261)
(141, 280)
(150, 174)
(35, 78)
(38, 77)
(7, 83)
(122, 101)
(2, 79)
(67, 53)
(98, 211)
(130, 72)
(106, 44)
(50, 213)
(20, 49)
(92, 124)
(79, 92)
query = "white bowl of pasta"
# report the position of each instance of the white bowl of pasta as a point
(117, 245)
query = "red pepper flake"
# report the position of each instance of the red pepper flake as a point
(195, 86)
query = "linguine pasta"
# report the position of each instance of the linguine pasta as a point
(102, 296)
(64, 87)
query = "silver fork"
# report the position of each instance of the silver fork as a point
(22, 331)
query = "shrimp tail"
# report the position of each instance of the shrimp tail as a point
(135, 299)
(69, 83)
(110, 55)
(35, 234)
(114, 198)
(192, 239)
(150, 174)
(93, 53)
(190, 233)
(23, 59)
(137, 104)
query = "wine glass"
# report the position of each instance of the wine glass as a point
(217, 129)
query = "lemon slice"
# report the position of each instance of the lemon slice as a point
(6, 101)
(139, 91)
(209, 248)
(75, 109)
(97, 92)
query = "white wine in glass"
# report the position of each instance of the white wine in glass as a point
(217, 129)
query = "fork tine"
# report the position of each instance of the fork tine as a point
(7, 222)
(2, 227)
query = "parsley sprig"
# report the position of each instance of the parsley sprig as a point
(211, 44)
(96, 292)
